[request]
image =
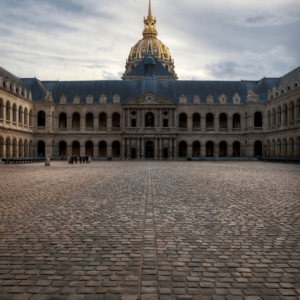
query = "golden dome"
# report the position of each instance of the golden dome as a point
(149, 44)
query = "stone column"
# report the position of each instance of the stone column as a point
(170, 148)
(161, 118)
(124, 117)
(156, 141)
(138, 147)
(217, 123)
(229, 150)
(216, 149)
(143, 148)
(82, 123)
(156, 118)
(95, 150)
(122, 149)
(160, 148)
(176, 121)
(109, 150)
(69, 150)
(229, 124)
(189, 123)
(128, 148)
(82, 149)
(175, 149)
(203, 123)
(138, 118)
(69, 123)
(128, 118)
(189, 149)
(143, 117)
(203, 149)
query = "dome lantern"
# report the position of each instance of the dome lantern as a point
(150, 24)
(149, 66)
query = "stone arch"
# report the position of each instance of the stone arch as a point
(1, 147)
(31, 148)
(20, 114)
(223, 121)
(102, 149)
(26, 149)
(89, 120)
(269, 119)
(1, 109)
(236, 121)
(298, 147)
(278, 148)
(62, 149)
(116, 120)
(8, 147)
(25, 116)
(62, 120)
(76, 148)
(183, 120)
(89, 148)
(258, 117)
(273, 117)
(41, 119)
(15, 111)
(257, 148)
(76, 120)
(223, 149)
(291, 111)
(103, 120)
(8, 109)
(30, 118)
(236, 149)
(291, 146)
(210, 121)
(196, 149)
(21, 148)
(41, 148)
(284, 148)
(196, 120)
(279, 121)
(15, 147)
(210, 149)
(273, 145)
(285, 114)
(116, 149)
(297, 110)
(182, 149)
(268, 150)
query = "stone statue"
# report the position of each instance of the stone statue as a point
(149, 120)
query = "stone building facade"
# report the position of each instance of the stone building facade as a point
(150, 114)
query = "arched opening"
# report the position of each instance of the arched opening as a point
(257, 149)
(149, 149)
(223, 121)
(284, 148)
(285, 114)
(15, 148)
(149, 120)
(21, 148)
(273, 145)
(258, 120)
(196, 149)
(7, 111)
(268, 149)
(41, 119)
(236, 149)
(182, 120)
(14, 113)
(116, 149)
(62, 120)
(89, 120)
(278, 150)
(116, 121)
(30, 118)
(31, 149)
(236, 121)
(1, 109)
(26, 150)
(298, 109)
(76, 121)
(8, 147)
(102, 149)
(279, 115)
(89, 149)
(167, 67)
(291, 147)
(196, 120)
(182, 149)
(274, 117)
(62, 149)
(209, 149)
(102, 121)
(298, 147)
(1, 147)
(76, 148)
(41, 149)
(223, 149)
(20, 115)
(269, 119)
(210, 121)
(292, 112)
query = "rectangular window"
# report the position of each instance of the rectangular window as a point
(133, 123)
(166, 123)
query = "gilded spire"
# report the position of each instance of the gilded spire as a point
(150, 24)
(150, 11)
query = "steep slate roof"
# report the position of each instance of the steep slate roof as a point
(12, 78)
(160, 70)
(295, 74)
(36, 87)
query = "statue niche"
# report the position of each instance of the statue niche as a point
(149, 120)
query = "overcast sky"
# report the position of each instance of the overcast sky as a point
(91, 39)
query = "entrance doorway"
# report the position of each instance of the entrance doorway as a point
(149, 149)
(41, 149)
(133, 153)
(166, 153)
(258, 149)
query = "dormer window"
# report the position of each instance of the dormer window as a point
(282, 91)
(296, 84)
(276, 94)
(272, 96)
(289, 88)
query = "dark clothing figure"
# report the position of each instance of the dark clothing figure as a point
(87, 159)
(75, 159)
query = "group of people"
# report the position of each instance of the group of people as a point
(82, 159)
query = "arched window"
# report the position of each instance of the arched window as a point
(167, 67)
(182, 149)
(236, 121)
(89, 120)
(21, 148)
(26, 150)
(30, 149)
(15, 148)
(116, 149)
(223, 121)
(102, 149)
(278, 150)
(279, 115)
(284, 148)
(258, 120)
(269, 119)
(41, 119)
(1, 109)
(196, 149)
(14, 113)
(291, 147)
(285, 114)
(298, 109)
(210, 121)
(8, 147)
(209, 149)
(62, 120)
(292, 112)
(274, 117)
(116, 120)
(196, 120)
(76, 121)
(89, 149)
(103, 121)
(41, 149)
(223, 149)
(76, 148)
(236, 149)
(149, 149)
(62, 149)
(1, 147)
(257, 149)
(7, 111)
(182, 120)
(20, 115)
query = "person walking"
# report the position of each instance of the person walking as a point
(90, 159)
(47, 162)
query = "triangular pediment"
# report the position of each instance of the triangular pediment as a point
(150, 99)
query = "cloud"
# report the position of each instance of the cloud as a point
(263, 19)
(96, 67)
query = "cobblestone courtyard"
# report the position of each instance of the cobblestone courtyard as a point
(150, 230)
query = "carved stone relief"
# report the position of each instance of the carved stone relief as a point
(20, 90)
(196, 99)
(148, 98)
(25, 93)
(29, 95)
(103, 99)
(116, 98)
(14, 87)
(89, 99)
(7, 85)
(63, 99)
(76, 99)
(236, 99)
(223, 99)
(48, 97)
(252, 97)
(182, 99)
(210, 99)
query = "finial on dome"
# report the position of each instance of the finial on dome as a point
(150, 24)
(150, 10)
